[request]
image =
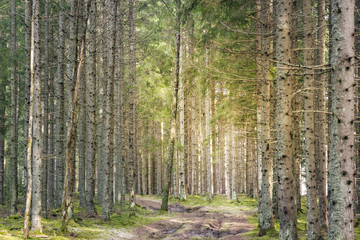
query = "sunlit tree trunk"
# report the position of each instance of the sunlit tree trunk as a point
(286, 193)
(320, 121)
(175, 85)
(341, 163)
(37, 116)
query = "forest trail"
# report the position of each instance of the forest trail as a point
(194, 222)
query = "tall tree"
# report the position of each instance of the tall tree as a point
(175, 86)
(132, 101)
(36, 118)
(112, 5)
(13, 121)
(341, 162)
(311, 196)
(286, 193)
(90, 154)
(320, 121)
(59, 107)
(267, 222)
(182, 127)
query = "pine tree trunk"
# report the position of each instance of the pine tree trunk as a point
(45, 119)
(233, 169)
(2, 141)
(109, 120)
(341, 164)
(312, 208)
(267, 161)
(132, 100)
(13, 116)
(91, 93)
(37, 116)
(175, 85)
(286, 193)
(320, 123)
(182, 128)
(59, 108)
(29, 148)
(27, 46)
(158, 159)
(51, 146)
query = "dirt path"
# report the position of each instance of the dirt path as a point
(193, 223)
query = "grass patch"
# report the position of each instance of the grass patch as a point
(11, 227)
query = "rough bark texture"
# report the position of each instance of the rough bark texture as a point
(311, 196)
(182, 128)
(109, 133)
(267, 222)
(13, 116)
(341, 164)
(37, 115)
(175, 85)
(91, 116)
(132, 101)
(320, 121)
(59, 109)
(286, 192)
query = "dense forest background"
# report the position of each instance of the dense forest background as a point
(101, 101)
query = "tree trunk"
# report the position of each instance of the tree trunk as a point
(233, 169)
(91, 99)
(320, 123)
(109, 133)
(45, 96)
(182, 127)
(286, 193)
(37, 116)
(341, 164)
(175, 85)
(13, 121)
(59, 109)
(267, 161)
(132, 100)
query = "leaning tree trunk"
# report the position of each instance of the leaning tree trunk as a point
(341, 163)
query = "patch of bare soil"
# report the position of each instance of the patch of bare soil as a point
(193, 223)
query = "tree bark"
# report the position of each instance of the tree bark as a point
(286, 193)
(59, 108)
(341, 164)
(320, 123)
(132, 102)
(91, 99)
(175, 85)
(37, 125)
(13, 185)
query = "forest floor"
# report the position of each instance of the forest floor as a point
(195, 222)
(194, 218)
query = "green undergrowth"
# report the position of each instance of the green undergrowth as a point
(220, 202)
(81, 227)
(301, 226)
